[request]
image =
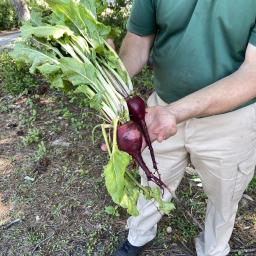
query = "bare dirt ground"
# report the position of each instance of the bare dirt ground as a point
(52, 193)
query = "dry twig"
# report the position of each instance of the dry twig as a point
(14, 222)
(250, 250)
(47, 238)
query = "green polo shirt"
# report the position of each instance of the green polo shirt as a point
(197, 41)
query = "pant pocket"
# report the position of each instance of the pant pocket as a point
(244, 175)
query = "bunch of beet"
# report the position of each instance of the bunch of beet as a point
(130, 137)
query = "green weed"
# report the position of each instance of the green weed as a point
(113, 211)
(186, 229)
(34, 135)
(252, 186)
(40, 152)
(8, 17)
(15, 77)
(239, 254)
(29, 117)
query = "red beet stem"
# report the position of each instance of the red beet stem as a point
(137, 110)
(151, 150)
(150, 176)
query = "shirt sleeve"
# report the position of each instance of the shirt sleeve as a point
(142, 20)
(252, 39)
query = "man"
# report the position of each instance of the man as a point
(204, 57)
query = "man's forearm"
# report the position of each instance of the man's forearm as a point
(135, 51)
(222, 96)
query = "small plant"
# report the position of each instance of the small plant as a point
(8, 18)
(30, 116)
(56, 128)
(15, 77)
(34, 237)
(116, 14)
(67, 114)
(34, 135)
(145, 81)
(4, 108)
(77, 124)
(252, 186)
(113, 211)
(41, 152)
(28, 119)
(187, 230)
(56, 211)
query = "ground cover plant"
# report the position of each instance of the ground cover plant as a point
(8, 18)
(15, 78)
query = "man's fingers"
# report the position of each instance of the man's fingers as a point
(148, 116)
(103, 147)
(160, 139)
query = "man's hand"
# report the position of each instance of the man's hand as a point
(161, 123)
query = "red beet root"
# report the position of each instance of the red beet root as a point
(137, 111)
(129, 140)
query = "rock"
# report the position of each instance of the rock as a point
(60, 142)
(244, 203)
(248, 197)
(169, 230)
(27, 178)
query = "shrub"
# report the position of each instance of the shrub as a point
(14, 77)
(8, 18)
(116, 15)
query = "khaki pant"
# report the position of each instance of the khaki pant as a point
(223, 150)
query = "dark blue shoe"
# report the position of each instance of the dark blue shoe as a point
(128, 250)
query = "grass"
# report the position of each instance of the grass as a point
(33, 136)
(252, 185)
(15, 78)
